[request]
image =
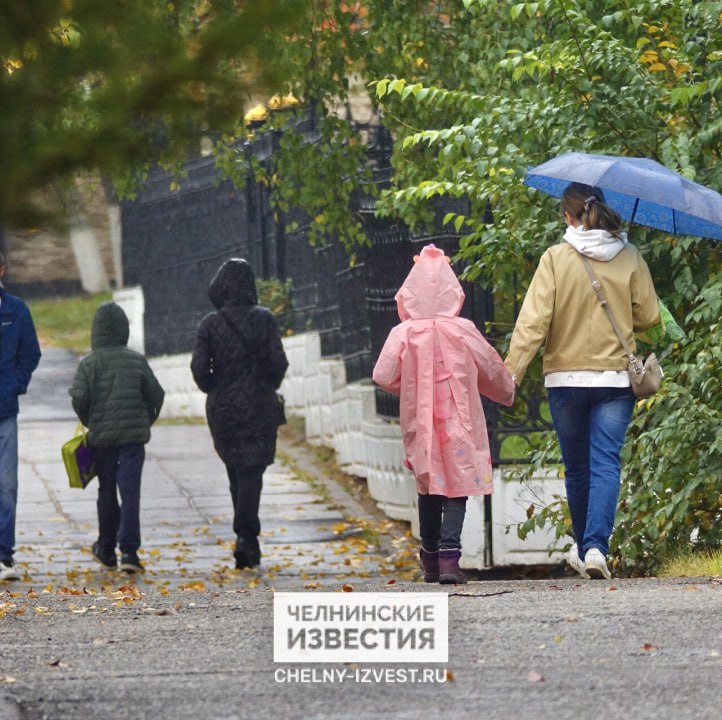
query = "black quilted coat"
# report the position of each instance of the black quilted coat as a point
(115, 393)
(239, 374)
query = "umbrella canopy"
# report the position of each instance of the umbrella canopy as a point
(640, 190)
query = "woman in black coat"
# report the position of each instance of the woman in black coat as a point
(239, 362)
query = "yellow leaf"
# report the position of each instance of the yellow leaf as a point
(196, 586)
(657, 67)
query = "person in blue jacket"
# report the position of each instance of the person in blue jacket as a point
(19, 356)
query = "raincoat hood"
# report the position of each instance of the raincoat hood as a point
(110, 327)
(596, 244)
(233, 284)
(431, 288)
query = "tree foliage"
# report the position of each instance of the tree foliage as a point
(116, 86)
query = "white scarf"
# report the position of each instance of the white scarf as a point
(596, 244)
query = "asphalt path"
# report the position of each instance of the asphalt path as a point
(194, 638)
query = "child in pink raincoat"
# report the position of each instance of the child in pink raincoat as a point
(439, 363)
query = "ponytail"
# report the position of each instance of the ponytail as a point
(587, 206)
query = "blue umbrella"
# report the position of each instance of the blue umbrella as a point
(640, 190)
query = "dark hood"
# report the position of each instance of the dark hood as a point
(110, 327)
(233, 284)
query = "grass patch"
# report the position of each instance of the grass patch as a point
(66, 322)
(690, 564)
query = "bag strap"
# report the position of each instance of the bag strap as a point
(597, 286)
(254, 359)
(236, 330)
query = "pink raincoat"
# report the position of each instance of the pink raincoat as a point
(439, 363)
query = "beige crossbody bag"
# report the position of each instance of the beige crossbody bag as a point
(644, 377)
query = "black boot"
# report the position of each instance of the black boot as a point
(247, 554)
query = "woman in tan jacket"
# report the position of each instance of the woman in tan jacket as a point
(584, 363)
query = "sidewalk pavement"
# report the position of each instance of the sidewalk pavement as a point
(193, 638)
(312, 529)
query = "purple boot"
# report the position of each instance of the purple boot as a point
(449, 570)
(430, 565)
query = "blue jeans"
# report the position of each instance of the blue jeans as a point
(8, 485)
(119, 472)
(591, 424)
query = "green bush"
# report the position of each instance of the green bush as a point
(275, 294)
(671, 497)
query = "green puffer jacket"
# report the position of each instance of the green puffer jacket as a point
(115, 393)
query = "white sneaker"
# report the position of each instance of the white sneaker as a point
(575, 562)
(596, 565)
(8, 571)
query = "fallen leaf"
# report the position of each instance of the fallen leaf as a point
(648, 647)
(347, 588)
(535, 677)
(196, 586)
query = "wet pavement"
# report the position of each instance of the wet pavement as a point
(313, 531)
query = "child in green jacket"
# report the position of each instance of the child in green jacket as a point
(117, 397)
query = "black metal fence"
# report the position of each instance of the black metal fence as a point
(174, 239)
